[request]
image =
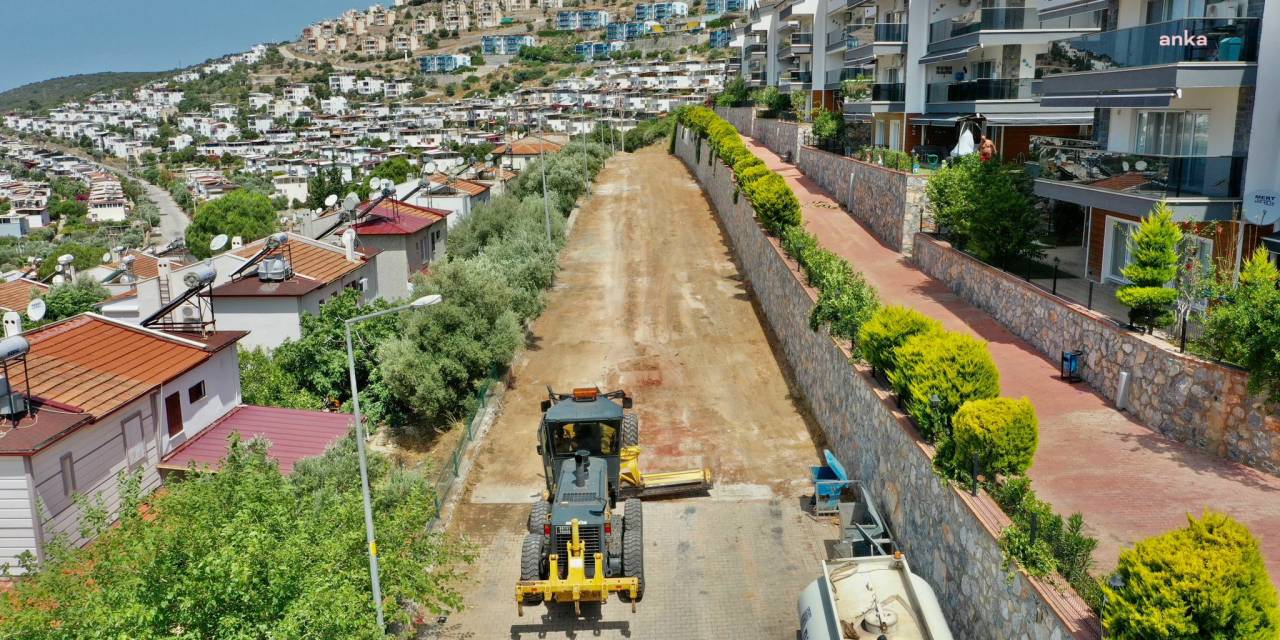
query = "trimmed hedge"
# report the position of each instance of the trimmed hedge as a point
(846, 302)
(885, 331)
(1000, 433)
(775, 204)
(1207, 580)
(953, 367)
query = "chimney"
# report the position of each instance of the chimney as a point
(12, 323)
(349, 244)
(236, 242)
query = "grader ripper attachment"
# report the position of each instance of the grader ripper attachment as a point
(579, 549)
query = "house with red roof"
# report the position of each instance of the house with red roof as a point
(407, 237)
(88, 399)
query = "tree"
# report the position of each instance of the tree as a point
(239, 213)
(72, 298)
(245, 553)
(1207, 580)
(1005, 227)
(828, 128)
(1242, 325)
(735, 94)
(1154, 251)
(396, 170)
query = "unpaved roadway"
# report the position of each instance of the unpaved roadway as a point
(649, 299)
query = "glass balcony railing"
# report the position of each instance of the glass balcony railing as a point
(802, 39)
(1197, 40)
(877, 92)
(984, 89)
(798, 77)
(858, 35)
(1008, 19)
(1138, 174)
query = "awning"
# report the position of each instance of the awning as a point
(946, 56)
(1026, 120)
(860, 62)
(1109, 99)
(936, 121)
(1074, 8)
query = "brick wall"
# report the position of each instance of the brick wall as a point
(1193, 401)
(890, 202)
(949, 537)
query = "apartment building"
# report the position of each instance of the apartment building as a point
(661, 11)
(581, 20)
(720, 38)
(598, 50)
(455, 16)
(342, 83)
(373, 45)
(626, 30)
(717, 7)
(488, 14)
(425, 24)
(403, 42)
(443, 63)
(508, 45)
(1185, 110)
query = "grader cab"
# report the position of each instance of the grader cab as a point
(579, 548)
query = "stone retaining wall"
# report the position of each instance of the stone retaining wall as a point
(1193, 401)
(949, 537)
(779, 136)
(890, 202)
(742, 118)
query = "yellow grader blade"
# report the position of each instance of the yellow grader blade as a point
(660, 483)
(576, 586)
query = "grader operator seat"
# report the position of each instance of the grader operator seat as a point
(585, 420)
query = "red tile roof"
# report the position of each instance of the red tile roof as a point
(465, 186)
(314, 263)
(393, 217)
(526, 148)
(16, 294)
(145, 265)
(294, 434)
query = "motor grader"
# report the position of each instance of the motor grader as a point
(579, 548)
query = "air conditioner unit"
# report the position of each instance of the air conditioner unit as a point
(190, 314)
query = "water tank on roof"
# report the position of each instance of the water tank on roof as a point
(199, 275)
(14, 347)
(274, 269)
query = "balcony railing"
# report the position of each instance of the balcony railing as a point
(1008, 19)
(1232, 40)
(862, 34)
(1138, 174)
(798, 77)
(879, 92)
(802, 39)
(984, 89)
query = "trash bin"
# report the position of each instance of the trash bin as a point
(1070, 369)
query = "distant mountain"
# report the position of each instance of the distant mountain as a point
(53, 92)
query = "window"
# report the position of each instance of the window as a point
(1173, 133)
(67, 464)
(195, 392)
(1117, 248)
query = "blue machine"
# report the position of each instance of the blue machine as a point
(829, 482)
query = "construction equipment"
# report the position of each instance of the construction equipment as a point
(579, 548)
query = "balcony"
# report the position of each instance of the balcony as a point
(984, 89)
(1004, 20)
(866, 41)
(1199, 52)
(757, 49)
(801, 43)
(1076, 171)
(797, 77)
(881, 97)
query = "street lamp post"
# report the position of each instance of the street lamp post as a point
(420, 303)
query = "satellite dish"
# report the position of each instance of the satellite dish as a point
(388, 185)
(218, 242)
(351, 202)
(35, 310)
(1262, 207)
(374, 181)
(106, 257)
(331, 200)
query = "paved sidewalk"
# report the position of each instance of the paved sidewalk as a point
(1128, 481)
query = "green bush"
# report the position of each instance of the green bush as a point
(775, 204)
(1001, 433)
(844, 305)
(1243, 326)
(887, 329)
(798, 243)
(749, 161)
(951, 367)
(1207, 580)
(1060, 544)
(823, 268)
(751, 174)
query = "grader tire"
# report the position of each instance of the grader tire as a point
(538, 517)
(630, 430)
(633, 544)
(531, 564)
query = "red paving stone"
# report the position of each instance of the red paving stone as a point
(1127, 480)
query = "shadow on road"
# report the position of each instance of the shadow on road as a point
(561, 619)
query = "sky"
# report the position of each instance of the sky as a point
(50, 38)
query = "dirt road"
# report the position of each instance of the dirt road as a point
(648, 299)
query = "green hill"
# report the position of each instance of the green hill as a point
(55, 91)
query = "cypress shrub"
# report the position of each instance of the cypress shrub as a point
(775, 204)
(887, 329)
(953, 367)
(1206, 580)
(1155, 262)
(1001, 433)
